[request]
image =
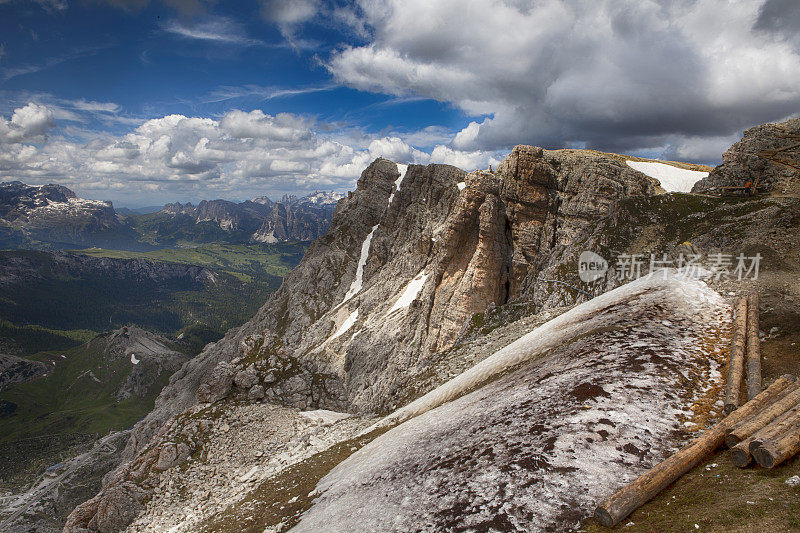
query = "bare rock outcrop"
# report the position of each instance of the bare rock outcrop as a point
(18, 370)
(742, 163)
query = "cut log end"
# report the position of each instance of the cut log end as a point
(741, 457)
(604, 517)
(764, 457)
(754, 445)
(731, 440)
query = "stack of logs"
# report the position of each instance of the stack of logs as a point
(773, 434)
(765, 429)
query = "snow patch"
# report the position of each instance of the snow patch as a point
(598, 407)
(692, 295)
(355, 287)
(347, 324)
(672, 179)
(461, 186)
(410, 293)
(402, 169)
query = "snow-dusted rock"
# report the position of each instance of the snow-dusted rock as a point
(558, 420)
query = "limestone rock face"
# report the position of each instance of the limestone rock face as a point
(741, 162)
(402, 271)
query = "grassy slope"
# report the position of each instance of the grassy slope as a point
(69, 400)
(68, 407)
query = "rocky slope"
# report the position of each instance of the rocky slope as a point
(741, 163)
(411, 256)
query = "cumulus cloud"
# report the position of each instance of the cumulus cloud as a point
(610, 74)
(29, 123)
(241, 154)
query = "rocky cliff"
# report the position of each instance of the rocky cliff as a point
(745, 161)
(411, 256)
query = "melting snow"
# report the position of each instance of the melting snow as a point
(549, 335)
(402, 170)
(347, 324)
(355, 287)
(672, 179)
(534, 446)
(410, 293)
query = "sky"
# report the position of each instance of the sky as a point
(144, 102)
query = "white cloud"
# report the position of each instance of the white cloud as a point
(289, 11)
(464, 160)
(218, 30)
(29, 123)
(242, 154)
(614, 74)
(97, 107)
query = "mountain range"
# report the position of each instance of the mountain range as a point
(53, 217)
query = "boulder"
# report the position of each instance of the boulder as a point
(217, 385)
(245, 379)
(256, 393)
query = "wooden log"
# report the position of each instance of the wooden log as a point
(736, 371)
(746, 428)
(648, 485)
(777, 428)
(740, 454)
(775, 451)
(753, 348)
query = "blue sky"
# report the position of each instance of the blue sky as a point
(144, 102)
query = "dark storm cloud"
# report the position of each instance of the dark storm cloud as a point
(627, 75)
